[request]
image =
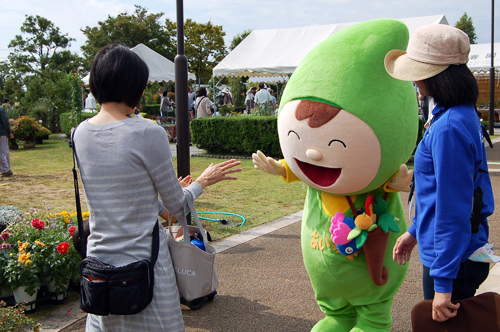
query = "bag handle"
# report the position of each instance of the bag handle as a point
(183, 222)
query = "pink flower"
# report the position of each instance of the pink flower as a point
(5, 236)
(71, 230)
(5, 246)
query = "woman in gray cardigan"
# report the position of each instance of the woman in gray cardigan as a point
(125, 164)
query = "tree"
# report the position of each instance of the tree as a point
(465, 24)
(130, 30)
(239, 38)
(43, 48)
(204, 47)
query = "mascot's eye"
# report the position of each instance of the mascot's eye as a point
(349, 250)
(292, 131)
(337, 140)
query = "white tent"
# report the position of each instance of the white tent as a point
(160, 68)
(480, 57)
(277, 52)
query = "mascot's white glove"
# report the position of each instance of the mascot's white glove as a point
(402, 181)
(268, 164)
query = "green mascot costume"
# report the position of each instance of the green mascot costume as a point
(346, 129)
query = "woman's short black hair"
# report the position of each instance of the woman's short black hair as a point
(201, 92)
(454, 86)
(118, 75)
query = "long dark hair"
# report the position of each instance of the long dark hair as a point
(454, 86)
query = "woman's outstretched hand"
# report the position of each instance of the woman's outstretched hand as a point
(217, 172)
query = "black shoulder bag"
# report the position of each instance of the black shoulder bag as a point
(109, 290)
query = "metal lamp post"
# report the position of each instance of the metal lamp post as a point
(181, 97)
(492, 73)
(181, 100)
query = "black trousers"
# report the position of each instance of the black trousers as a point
(470, 276)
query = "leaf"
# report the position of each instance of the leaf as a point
(354, 233)
(361, 239)
(380, 206)
(388, 222)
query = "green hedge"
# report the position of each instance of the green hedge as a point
(151, 109)
(237, 135)
(154, 110)
(66, 124)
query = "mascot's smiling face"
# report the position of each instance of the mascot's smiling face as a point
(345, 126)
(319, 146)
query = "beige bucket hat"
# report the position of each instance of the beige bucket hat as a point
(431, 50)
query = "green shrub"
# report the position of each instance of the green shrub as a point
(241, 135)
(13, 113)
(66, 123)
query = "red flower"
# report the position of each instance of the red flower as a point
(38, 224)
(71, 230)
(63, 247)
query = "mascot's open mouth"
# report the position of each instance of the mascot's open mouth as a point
(322, 176)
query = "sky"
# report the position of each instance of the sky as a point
(236, 16)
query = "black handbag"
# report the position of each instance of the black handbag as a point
(109, 290)
(125, 290)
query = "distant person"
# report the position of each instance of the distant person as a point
(250, 99)
(5, 134)
(191, 99)
(165, 105)
(6, 104)
(202, 103)
(271, 92)
(228, 97)
(263, 98)
(90, 102)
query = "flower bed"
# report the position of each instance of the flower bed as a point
(36, 251)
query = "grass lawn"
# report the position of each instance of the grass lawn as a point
(43, 180)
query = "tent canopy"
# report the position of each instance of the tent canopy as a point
(277, 52)
(160, 68)
(480, 57)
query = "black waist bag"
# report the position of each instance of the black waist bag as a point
(125, 290)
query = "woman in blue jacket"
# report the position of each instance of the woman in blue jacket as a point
(450, 166)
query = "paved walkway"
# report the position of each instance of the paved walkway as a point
(264, 286)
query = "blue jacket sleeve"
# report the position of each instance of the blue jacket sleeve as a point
(453, 155)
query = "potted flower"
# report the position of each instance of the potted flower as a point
(39, 251)
(20, 272)
(15, 319)
(26, 130)
(42, 133)
(61, 260)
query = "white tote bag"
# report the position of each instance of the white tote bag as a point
(194, 268)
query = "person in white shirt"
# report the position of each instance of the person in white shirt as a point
(263, 98)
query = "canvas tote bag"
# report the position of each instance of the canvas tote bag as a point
(194, 268)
